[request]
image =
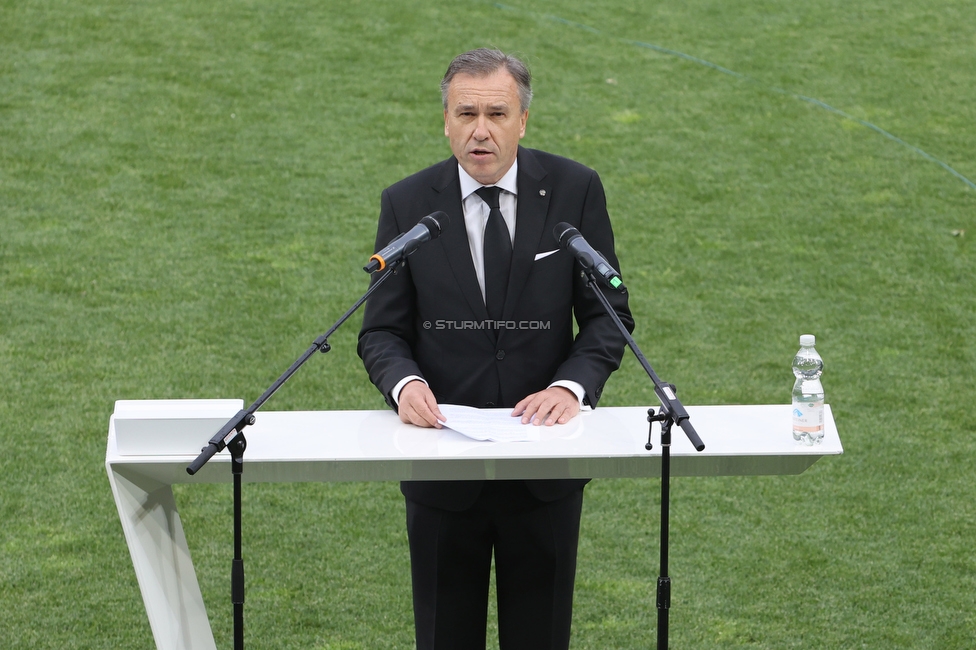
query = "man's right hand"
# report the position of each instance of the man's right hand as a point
(416, 405)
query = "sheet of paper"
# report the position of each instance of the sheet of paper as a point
(488, 424)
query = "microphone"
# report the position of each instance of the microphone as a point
(430, 227)
(571, 239)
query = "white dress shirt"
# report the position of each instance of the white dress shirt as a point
(476, 214)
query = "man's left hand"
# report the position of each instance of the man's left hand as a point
(550, 406)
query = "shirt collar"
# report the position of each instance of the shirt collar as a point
(508, 182)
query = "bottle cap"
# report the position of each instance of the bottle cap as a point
(808, 340)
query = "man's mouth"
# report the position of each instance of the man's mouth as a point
(480, 153)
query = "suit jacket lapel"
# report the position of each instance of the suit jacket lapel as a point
(447, 197)
(534, 192)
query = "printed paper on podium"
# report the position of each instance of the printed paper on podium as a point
(496, 425)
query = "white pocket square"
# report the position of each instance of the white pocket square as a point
(539, 256)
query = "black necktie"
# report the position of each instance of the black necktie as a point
(498, 253)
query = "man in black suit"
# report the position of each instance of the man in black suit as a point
(483, 316)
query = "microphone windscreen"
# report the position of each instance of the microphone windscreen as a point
(436, 223)
(561, 231)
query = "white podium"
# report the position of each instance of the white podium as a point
(150, 444)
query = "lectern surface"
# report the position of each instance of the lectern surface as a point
(608, 442)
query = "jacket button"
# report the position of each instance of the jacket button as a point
(500, 355)
(489, 405)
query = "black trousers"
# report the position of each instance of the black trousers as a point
(534, 543)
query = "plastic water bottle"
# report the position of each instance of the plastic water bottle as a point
(808, 393)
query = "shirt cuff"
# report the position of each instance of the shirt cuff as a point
(577, 390)
(395, 393)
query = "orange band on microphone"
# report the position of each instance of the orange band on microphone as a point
(380, 260)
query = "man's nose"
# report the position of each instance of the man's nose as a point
(481, 132)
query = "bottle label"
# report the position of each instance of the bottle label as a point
(808, 418)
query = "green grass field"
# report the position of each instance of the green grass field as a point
(188, 191)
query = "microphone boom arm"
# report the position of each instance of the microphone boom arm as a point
(235, 426)
(671, 406)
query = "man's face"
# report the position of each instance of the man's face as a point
(484, 123)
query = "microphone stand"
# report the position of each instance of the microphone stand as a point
(231, 437)
(671, 412)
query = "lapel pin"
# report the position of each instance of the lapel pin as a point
(542, 192)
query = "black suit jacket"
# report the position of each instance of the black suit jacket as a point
(428, 319)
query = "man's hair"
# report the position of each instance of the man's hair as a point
(484, 62)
